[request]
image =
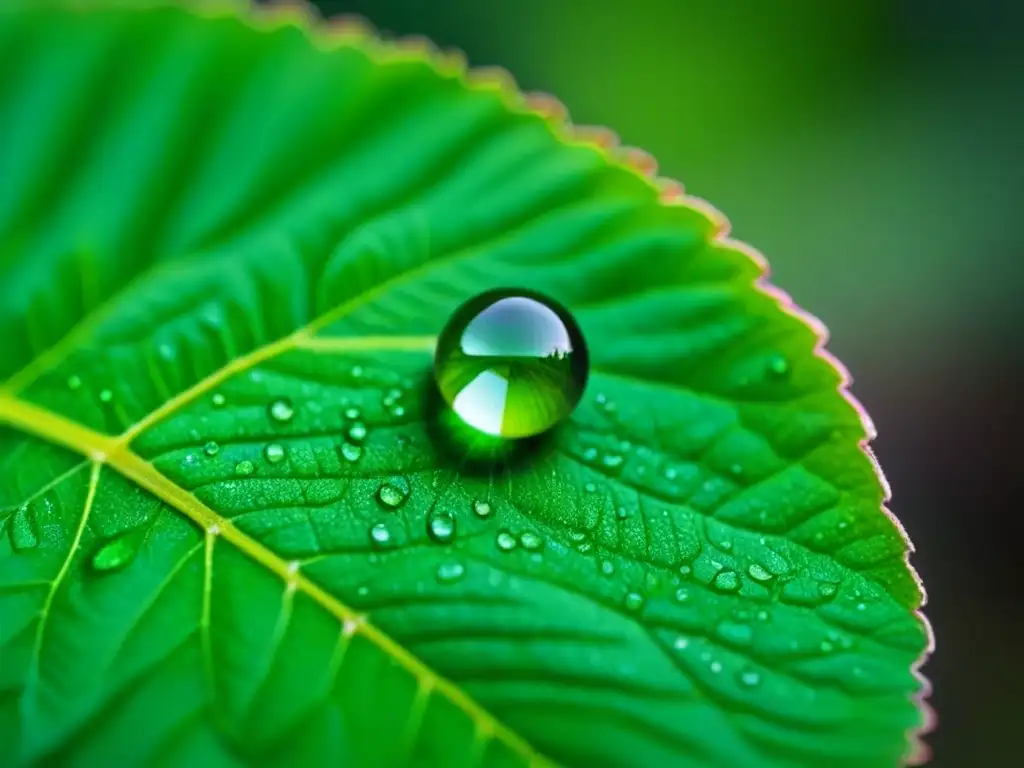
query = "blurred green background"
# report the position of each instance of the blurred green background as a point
(874, 151)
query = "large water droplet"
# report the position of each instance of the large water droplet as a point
(441, 527)
(759, 573)
(274, 453)
(281, 410)
(244, 468)
(393, 493)
(506, 541)
(607, 567)
(511, 363)
(450, 572)
(115, 554)
(211, 448)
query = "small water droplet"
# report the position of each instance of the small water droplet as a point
(749, 678)
(393, 493)
(441, 527)
(727, 581)
(506, 541)
(106, 395)
(244, 468)
(622, 513)
(685, 570)
(380, 535)
(398, 411)
(530, 540)
(716, 667)
(612, 461)
(23, 531)
(681, 643)
(682, 595)
(352, 412)
(826, 646)
(281, 410)
(357, 432)
(778, 366)
(607, 567)
(583, 547)
(577, 536)
(762, 615)
(450, 572)
(114, 554)
(357, 371)
(590, 454)
(759, 573)
(633, 601)
(74, 382)
(671, 473)
(826, 589)
(725, 545)
(274, 453)
(862, 606)
(218, 399)
(482, 509)
(351, 452)
(735, 632)
(211, 448)
(735, 470)
(590, 488)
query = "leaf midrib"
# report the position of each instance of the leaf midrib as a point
(116, 453)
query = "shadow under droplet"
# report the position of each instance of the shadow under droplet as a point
(475, 453)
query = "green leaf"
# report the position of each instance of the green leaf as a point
(226, 246)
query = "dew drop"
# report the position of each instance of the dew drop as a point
(114, 554)
(398, 411)
(685, 570)
(633, 601)
(211, 448)
(759, 573)
(357, 432)
(607, 567)
(682, 595)
(380, 535)
(681, 643)
(244, 468)
(511, 363)
(727, 581)
(351, 452)
(393, 493)
(826, 589)
(74, 382)
(590, 454)
(622, 513)
(357, 371)
(735, 632)
(281, 410)
(482, 509)
(106, 395)
(218, 400)
(506, 541)
(590, 488)
(352, 412)
(441, 527)
(725, 545)
(749, 678)
(23, 532)
(778, 366)
(862, 606)
(530, 540)
(716, 667)
(450, 572)
(274, 453)
(612, 461)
